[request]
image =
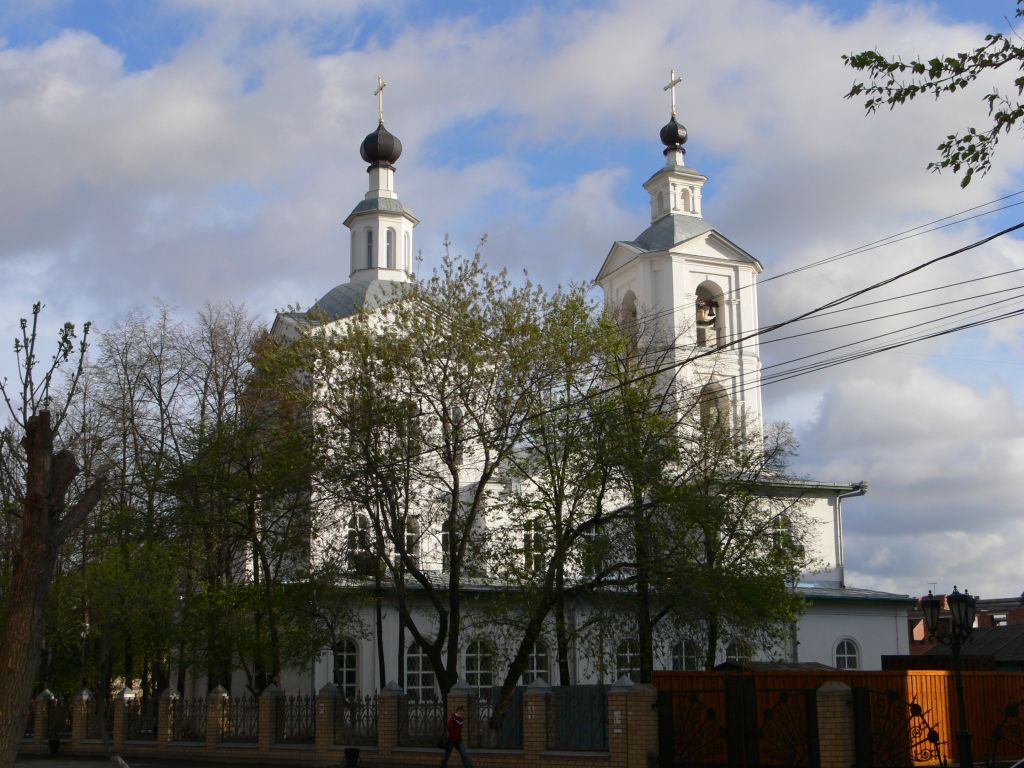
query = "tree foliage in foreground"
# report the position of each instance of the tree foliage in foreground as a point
(893, 81)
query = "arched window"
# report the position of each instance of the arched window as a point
(714, 408)
(686, 200)
(685, 656)
(369, 249)
(408, 252)
(738, 651)
(345, 657)
(355, 256)
(709, 319)
(357, 543)
(390, 248)
(661, 202)
(847, 656)
(419, 675)
(594, 550)
(628, 320)
(480, 667)
(627, 660)
(538, 664)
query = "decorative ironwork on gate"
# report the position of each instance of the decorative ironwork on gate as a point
(93, 724)
(1007, 737)
(188, 719)
(578, 718)
(788, 727)
(59, 719)
(242, 719)
(892, 732)
(692, 727)
(355, 721)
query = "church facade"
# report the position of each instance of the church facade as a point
(700, 289)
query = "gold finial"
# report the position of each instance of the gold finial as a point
(673, 82)
(379, 93)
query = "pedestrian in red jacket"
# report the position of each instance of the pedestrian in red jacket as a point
(455, 738)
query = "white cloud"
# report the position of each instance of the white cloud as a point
(224, 172)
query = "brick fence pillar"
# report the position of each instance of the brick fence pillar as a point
(217, 702)
(121, 701)
(80, 716)
(642, 725)
(326, 717)
(388, 725)
(618, 714)
(41, 725)
(535, 721)
(836, 744)
(271, 702)
(165, 706)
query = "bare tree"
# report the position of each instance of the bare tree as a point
(45, 518)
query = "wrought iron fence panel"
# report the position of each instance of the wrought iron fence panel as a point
(355, 721)
(296, 720)
(420, 723)
(692, 728)
(1006, 739)
(892, 732)
(58, 723)
(578, 718)
(505, 734)
(788, 727)
(242, 719)
(188, 719)
(140, 719)
(93, 725)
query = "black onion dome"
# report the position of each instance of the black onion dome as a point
(380, 147)
(673, 135)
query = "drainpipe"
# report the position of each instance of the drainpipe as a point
(859, 489)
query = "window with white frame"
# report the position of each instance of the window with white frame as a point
(685, 656)
(412, 539)
(480, 667)
(738, 651)
(538, 664)
(627, 660)
(446, 546)
(357, 542)
(847, 656)
(533, 546)
(369, 249)
(345, 659)
(389, 244)
(419, 675)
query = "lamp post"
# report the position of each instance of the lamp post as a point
(962, 607)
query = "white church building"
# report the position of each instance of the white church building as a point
(700, 283)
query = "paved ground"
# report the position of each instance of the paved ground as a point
(39, 761)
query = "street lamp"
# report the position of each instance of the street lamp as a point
(962, 607)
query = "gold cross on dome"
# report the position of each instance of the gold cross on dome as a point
(379, 93)
(673, 82)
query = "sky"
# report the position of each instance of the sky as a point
(194, 151)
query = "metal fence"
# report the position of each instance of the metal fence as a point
(355, 721)
(140, 719)
(507, 733)
(296, 720)
(58, 721)
(578, 718)
(94, 727)
(242, 719)
(188, 719)
(420, 723)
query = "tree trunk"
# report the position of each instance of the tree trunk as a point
(46, 524)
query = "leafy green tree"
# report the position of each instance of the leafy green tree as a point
(893, 81)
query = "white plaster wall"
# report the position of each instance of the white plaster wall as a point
(877, 629)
